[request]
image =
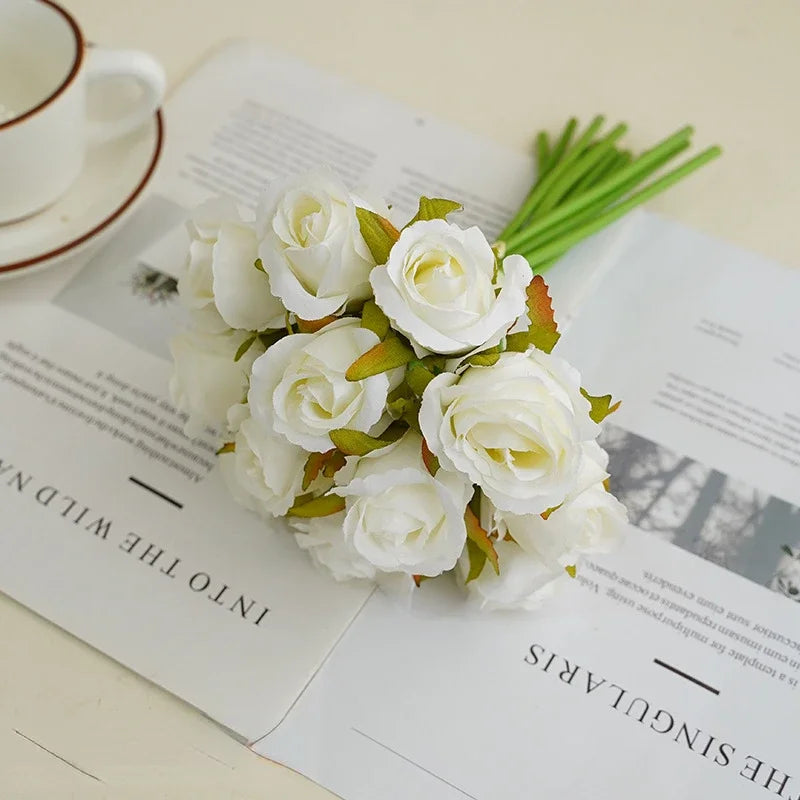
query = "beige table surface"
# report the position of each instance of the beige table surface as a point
(503, 69)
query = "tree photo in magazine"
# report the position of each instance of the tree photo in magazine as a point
(705, 511)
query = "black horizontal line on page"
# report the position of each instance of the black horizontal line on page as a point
(155, 491)
(413, 763)
(686, 675)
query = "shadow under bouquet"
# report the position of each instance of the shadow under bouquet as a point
(391, 390)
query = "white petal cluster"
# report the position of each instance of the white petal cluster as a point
(335, 357)
(443, 289)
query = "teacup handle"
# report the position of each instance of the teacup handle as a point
(104, 64)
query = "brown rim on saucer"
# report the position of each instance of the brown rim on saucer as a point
(80, 46)
(65, 248)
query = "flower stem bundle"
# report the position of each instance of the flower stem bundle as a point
(585, 185)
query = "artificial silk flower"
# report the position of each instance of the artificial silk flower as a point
(525, 581)
(206, 379)
(311, 246)
(324, 540)
(444, 290)
(589, 521)
(515, 428)
(399, 517)
(263, 472)
(298, 388)
(219, 274)
(391, 391)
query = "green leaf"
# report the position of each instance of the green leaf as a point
(480, 538)
(543, 332)
(329, 463)
(314, 325)
(486, 359)
(601, 407)
(398, 407)
(373, 319)
(788, 550)
(571, 570)
(399, 399)
(435, 208)
(228, 447)
(418, 377)
(245, 346)
(301, 499)
(314, 463)
(270, 337)
(334, 464)
(259, 265)
(318, 507)
(386, 355)
(545, 515)
(477, 560)
(436, 364)
(378, 233)
(475, 501)
(411, 416)
(401, 391)
(356, 443)
(430, 461)
(519, 342)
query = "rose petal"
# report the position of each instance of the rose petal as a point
(241, 293)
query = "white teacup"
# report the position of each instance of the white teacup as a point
(45, 69)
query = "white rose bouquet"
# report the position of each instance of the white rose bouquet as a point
(393, 392)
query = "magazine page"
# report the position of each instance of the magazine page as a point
(668, 669)
(116, 525)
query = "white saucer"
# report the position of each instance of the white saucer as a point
(113, 179)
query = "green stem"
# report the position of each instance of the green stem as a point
(612, 162)
(546, 232)
(560, 147)
(558, 247)
(542, 152)
(672, 144)
(543, 165)
(560, 228)
(579, 168)
(543, 186)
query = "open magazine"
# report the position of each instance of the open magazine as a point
(668, 669)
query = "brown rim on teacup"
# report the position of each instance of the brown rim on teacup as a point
(83, 238)
(76, 65)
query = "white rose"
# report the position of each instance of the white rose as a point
(398, 517)
(220, 272)
(298, 387)
(206, 381)
(515, 428)
(525, 581)
(264, 473)
(311, 245)
(323, 539)
(439, 287)
(591, 520)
